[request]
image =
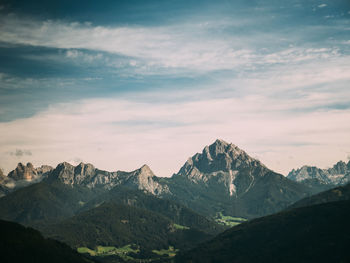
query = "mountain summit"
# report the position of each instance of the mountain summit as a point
(225, 179)
(87, 175)
(223, 162)
(28, 172)
(339, 174)
(21, 176)
(222, 179)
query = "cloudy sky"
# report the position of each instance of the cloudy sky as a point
(123, 83)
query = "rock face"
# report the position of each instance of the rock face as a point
(23, 172)
(81, 174)
(3, 181)
(87, 175)
(223, 163)
(2, 176)
(22, 176)
(339, 174)
(224, 178)
(28, 172)
(143, 179)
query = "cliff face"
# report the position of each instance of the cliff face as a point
(22, 176)
(339, 174)
(87, 175)
(226, 164)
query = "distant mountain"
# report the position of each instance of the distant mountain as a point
(21, 244)
(2, 176)
(4, 190)
(21, 176)
(339, 193)
(87, 175)
(29, 173)
(111, 224)
(85, 206)
(322, 179)
(318, 233)
(223, 178)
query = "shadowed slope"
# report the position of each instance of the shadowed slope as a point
(319, 233)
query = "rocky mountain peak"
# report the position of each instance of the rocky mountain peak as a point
(30, 166)
(146, 171)
(337, 175)
(84, 169)
(71, 175)
(64, 165)
(340, 167)
(87, 175)
(2, 177)
(224, 164)
(143, 179)
(219, 146)
(219, 156)
(23, 172)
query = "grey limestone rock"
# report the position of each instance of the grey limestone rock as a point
(339, 174)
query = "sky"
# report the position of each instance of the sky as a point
(120, 84)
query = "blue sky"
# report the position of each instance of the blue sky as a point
(123, 83)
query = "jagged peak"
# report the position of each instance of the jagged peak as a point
(20, 165)
(145, 170)
(219, 156)
(2, 173)
(145, 167)
(340, 164)
(83, 168)
(30, 165)
(221, 142)
(221, 146)
(64, 165)
(86, 165)
(308, 167)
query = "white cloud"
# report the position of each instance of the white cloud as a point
(75, 54)
(277, 106)
(185, 46)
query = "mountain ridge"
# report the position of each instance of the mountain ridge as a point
(221, 179)
(338, 174)
(22, 176)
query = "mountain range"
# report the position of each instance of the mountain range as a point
(87, 207)
(225, 179)
(322, 179)
(221, 179)
(21, 176)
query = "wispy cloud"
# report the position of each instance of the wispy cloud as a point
(184, 46)
(20, 153)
